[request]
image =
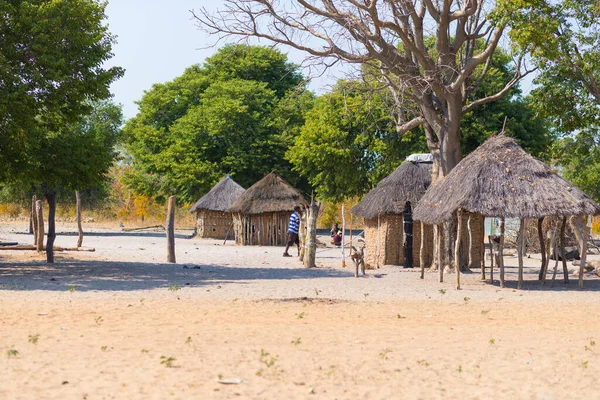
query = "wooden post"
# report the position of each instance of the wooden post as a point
(542, 245)
(350, 250)
(79, 227)
(555, 247)
(501, 252)
(378, 238)
(440, 246)
(343, 236)
(584, 238)
(40, 223)
(491, 259)
(563, 227)
(51, 198)
(457, 248)
(470, 262)
(34, 219)
(550, 244)
(171, 230)
(520, 242)
(482, 251)
(422, 250)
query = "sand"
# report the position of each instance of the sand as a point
(121, 323)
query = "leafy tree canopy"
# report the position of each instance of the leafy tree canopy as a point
(236, 114)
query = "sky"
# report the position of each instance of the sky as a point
(157, 40)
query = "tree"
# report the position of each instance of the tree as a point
(51, 57)
(237, 114)
(390, 37)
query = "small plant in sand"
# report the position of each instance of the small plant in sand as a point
(366, 295)
(459, 369)
(267, 359)
(592, 344)
(188, 340)
(297, 341)
(33, 339)
(72, 288)
(317, 291)
(220, 376)
(330, 371)
(142, 300)
(584, 364)
(145, 351)
(400, 316)
(466, 299)
(492, 341)
(384, 354)
(167, 361)
(301, 315)
(423, 363)
(99, 320)
(12, 352)
(442, 292)
(174, 288)
(104, 348)
(484, 312)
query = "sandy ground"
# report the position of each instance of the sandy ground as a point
(121, 323)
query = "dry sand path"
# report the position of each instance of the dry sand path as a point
(327, 334)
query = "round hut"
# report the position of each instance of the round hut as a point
(213, 220)
(261, 214)
(499, 179)
(388, 217)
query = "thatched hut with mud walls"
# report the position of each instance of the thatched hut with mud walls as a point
(499, 179)
(261, 215)
(213, 220)
(388, 217)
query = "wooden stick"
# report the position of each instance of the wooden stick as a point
(563, 227)
(584, 246)
(549, 246)
(378, 238)
(482, 251)
(34, 219)
(40, 230)
(491, 259)
(555, 247)
(343, 235)
(470, 262)
(457, 249)
(79, 227)
(142, 228)
(171, 230)
(227, 234)
(439, 254)
(542, 245)
(422, 250)
(501, 252)
(521, 240)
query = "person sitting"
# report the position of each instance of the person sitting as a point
(337, 238)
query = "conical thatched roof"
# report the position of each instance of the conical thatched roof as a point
(408, 182)
(271, 194)
(220, 197)
(499, 179)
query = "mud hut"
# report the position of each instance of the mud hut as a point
(212, 218)
(499, 179)
(384, 210)
(261, 214)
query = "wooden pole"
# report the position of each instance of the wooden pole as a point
(422, 250)
(482, 251)
(34, 219)
(350, 250)
(171, 230)
(549, 246)
(40, 223)
(501, 252)
(457, 248)
(521, 240)
(491, 259)
(555, 247)
(542, 245)
(343, 236)
(584, 238)
(470, 262)
(378, 238)
(51, 198)
(439, 251)
(563, 227)
(79, 226)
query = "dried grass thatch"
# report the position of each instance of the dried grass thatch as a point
(220, 197)
(499, 179)
(407, 183)
(271, 194)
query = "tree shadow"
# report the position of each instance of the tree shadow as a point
(591, 282)
(127, 276)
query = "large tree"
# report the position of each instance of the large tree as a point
(237, 114)
(390, 37)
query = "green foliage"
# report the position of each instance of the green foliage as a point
(234, 115)
(52, 54)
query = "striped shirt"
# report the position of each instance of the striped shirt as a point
(294, 225)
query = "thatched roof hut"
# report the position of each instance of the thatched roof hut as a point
(261, 214)
(213, 220)
(499, 179)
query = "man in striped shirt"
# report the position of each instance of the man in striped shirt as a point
(292, 233)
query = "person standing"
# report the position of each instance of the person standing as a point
(292, 233)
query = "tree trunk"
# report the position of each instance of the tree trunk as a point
(311, 234)
(457, 249)
(542, 245)
(51, 198)
(34, 219)
(302, 236)
(343, 236)
(170, 225)
(79, 227)
(39, 205)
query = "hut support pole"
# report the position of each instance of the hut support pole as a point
(34, 220)
(549, 246)
(482, 248)
(457, 249)
(470, 263)
(440, 244)
(563, 227)
(378, 238)
(343, 236)
(171, 230)
(555, 247)
(39, 206)
(501, 252)
(542, 245)
(422, 251)
(580, 229)
(521, 240)
(491, 259)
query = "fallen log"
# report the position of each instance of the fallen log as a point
(56, 248)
